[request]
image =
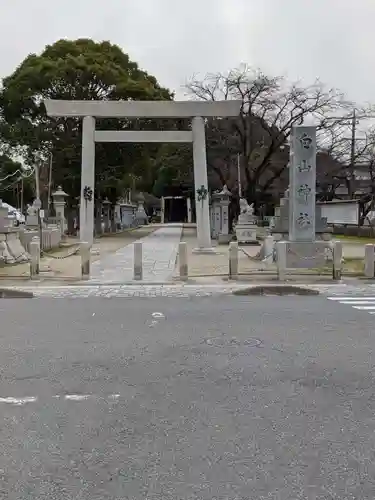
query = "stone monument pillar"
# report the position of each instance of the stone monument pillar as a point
(302, 249)
(302, 184)
(59, 203)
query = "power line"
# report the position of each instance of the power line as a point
(18, 171)
(22, 177)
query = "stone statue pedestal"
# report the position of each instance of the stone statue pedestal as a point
(246, 227)
(32, 218)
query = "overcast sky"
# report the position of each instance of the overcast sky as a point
(173, 39)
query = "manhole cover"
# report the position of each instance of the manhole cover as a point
(233, 341)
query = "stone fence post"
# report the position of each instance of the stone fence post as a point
(370, 261)
(337, 260)
(183, 261)
(85, 252)
(281, 262)
(34, 249)
(233, 260)
(138, 261)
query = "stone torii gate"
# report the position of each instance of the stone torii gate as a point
(196, 110)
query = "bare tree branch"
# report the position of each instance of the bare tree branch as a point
(270, 108)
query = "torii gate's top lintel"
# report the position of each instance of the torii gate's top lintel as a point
(143, 109)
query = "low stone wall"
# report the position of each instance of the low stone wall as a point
(363, 231)
(51, 237)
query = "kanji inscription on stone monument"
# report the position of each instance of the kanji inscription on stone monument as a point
(302, 184)
(304, 166)
(304, 192)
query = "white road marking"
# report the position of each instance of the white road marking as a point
(357, 302)
(364, 303)
(67, 397)
(158, 315)
(18, 401)
(351, 299)
(77, 397)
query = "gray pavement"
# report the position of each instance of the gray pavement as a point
(160, 250)
(182, 290)
(203, 398)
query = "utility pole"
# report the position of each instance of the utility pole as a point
(37, 188)
(21, 202)
(38, 203)
(49, 184)
(352, 146)
(239, 175)
(352, 122)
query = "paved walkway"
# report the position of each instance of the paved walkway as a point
(159, 258)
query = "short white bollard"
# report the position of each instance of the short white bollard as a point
(369, 260)
(183, 261)
(268, 247)
(138, 264)
(34, 249)
(85, 252)
(337, 260)
(281, 247)
(233, 260)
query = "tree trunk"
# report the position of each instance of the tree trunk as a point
(251, 195)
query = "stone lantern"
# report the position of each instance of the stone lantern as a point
(106, 204)
(59, 204)
(223, 198)
(140, 215)
(220, 202)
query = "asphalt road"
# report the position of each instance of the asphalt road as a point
(214, 398)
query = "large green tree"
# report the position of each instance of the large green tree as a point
(174, 175)
(79, 70)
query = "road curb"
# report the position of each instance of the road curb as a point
(276, 290)
(11, 293)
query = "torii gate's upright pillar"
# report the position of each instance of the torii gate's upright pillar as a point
(86, 209)
(201, 185)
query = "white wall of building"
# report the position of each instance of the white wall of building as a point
(340, 212)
